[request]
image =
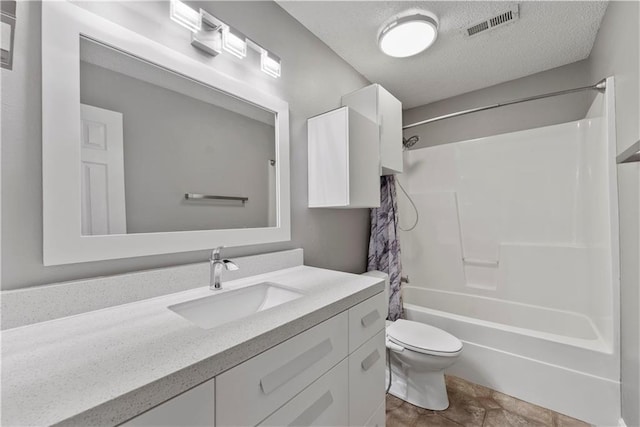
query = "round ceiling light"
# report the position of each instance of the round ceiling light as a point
(409, 35)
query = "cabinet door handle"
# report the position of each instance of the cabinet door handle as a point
(314, 411)
(280, 376)
(370, 360)
(370, 318)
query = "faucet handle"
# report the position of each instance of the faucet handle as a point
(230, 265)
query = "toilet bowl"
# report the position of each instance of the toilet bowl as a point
(419, 355)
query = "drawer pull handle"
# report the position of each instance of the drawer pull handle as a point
(370, 360)
(280, 376)
(314, 411)
(370, 318)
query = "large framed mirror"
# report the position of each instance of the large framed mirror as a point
(148, 151)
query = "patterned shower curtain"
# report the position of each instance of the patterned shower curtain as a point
(384, 245)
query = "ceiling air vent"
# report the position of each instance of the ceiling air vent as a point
(505, 17)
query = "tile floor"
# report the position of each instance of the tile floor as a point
(472, 405)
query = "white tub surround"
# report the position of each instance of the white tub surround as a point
(516, 254)
(107, 366)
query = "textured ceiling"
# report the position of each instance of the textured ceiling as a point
(547, 35)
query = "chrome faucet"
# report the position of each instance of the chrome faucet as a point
(216, 264)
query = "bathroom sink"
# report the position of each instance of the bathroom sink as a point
(226, 306)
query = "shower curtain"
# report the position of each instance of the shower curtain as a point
(384, 245)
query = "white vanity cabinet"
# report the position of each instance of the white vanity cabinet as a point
(343, 168)
(377, 104)
(329, 375)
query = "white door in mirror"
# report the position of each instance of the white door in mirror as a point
(102, 163)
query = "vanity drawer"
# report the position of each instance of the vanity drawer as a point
(366, 319)
(323, 403)
(191, 408)
(251, 391)
(366, 379)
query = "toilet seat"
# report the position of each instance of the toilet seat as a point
(423, 338)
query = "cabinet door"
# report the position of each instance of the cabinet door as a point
(366, 380)
(366, 319)
(328, 159)
(343, 169)
(192, 408)
(323, 403)
(390, 120)
(379, 417)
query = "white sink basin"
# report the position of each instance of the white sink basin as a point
(226, 306)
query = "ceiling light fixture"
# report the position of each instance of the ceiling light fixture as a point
(409, 35)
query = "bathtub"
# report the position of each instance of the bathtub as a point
(553, 358)
(511, 244)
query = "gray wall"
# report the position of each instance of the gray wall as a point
(617, 52)
(313, 80)
(175, 144)
(527, 115)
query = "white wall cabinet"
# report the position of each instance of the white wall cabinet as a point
(315, 378)
(343, 169)
(377, 104)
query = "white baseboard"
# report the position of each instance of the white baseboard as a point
(621, 423)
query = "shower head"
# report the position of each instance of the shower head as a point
(410, 142)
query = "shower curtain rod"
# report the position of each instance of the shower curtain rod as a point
(601, 86)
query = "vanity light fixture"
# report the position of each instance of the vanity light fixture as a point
(234, 42)
(185, 16)
(270, 63)
(209, 38)
(212, 36)
(409, 35)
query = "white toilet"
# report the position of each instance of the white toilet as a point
(419, 355)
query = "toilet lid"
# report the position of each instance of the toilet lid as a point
(423, 338)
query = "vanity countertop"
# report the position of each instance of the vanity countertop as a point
(106, 366)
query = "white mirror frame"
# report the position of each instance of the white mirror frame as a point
(62, 25)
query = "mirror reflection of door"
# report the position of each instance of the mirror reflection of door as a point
(102, 171)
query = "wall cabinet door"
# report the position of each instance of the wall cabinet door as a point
(192, 408)
(377, 104)
(390, 120)
(343, 168)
